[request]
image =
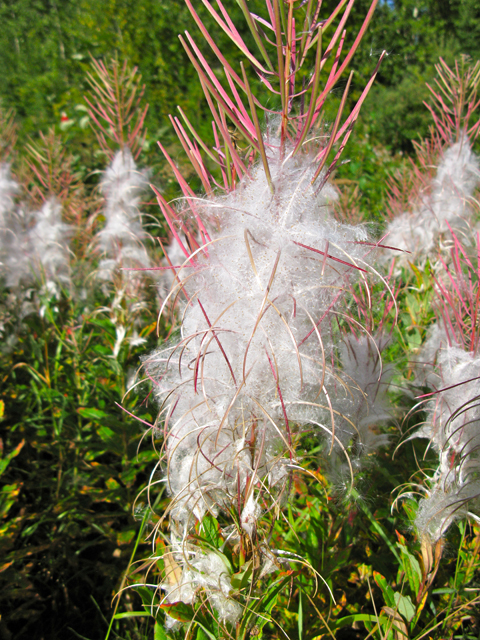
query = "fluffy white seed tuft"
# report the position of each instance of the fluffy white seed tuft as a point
(449, 202)
(254, 360)
(205, 572)
(453, 427)
(121, 241)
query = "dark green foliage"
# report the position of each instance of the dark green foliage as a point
(45, 47)
(414, 34)
(67, 527)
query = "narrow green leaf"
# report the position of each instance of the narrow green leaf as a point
(357, 617)
(146, 595)
(412, 569)
(131, 614)
(264, 606)
(201, 635)
(206, 633)
(106, 434)
(241, 579)
(4, 462)
(159, 632)
(92, 414)
(300, 615)
(386, 589)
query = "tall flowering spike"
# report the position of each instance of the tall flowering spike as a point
(40, 240)
(252, 371)
(447, 202)
(252, 357)
(288, 39)
(8, 190)
(49, 242)
(264, 271)
(116, 106)
(455, 100)
(451, 368)
(52, 175)
(35, 246)
(39, 248)
(121, 241)
(8, 186)
(439, 200)
(453, 427)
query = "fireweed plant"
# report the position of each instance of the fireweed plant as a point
(67, 354)
(8, 186)
(35, 238)
(117, 117)
(273, 379)
(120, 240)
(439, 194)
(270, 348)
(451, 424)
(439, 227)
(53, 243)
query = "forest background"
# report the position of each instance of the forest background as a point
(64, 550)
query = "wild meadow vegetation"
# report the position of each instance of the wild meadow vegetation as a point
(239, 382)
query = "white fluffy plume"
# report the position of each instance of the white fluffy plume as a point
(199, 570)
(453, 428)
(253, 365)
(38, 247)
(364, 406)
(449, 202)
(8, 191)
(121, 241)
(49, 241)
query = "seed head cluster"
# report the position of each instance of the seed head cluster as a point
(447, 204)
(121, 241)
